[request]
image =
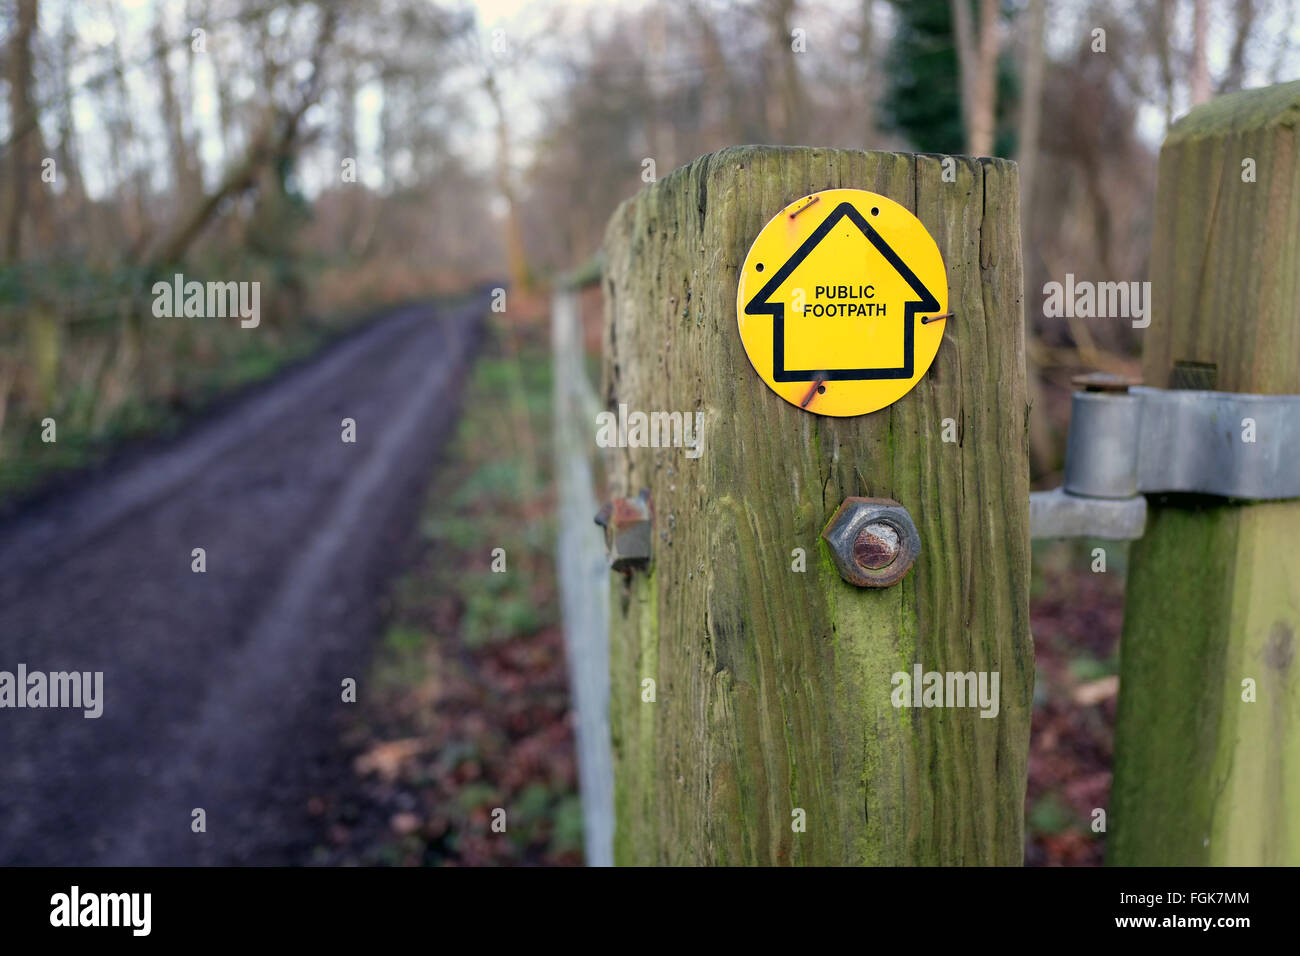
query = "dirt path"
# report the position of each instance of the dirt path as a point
(222, 690)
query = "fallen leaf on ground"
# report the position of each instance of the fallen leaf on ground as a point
(386, 758)
(1095, 691)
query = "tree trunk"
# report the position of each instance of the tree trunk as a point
(866, 42)
(225, 98)
(274, 140)
(24, 148)
(1031, 104)
(1200, 79)
(773, 687)
(1031, 112)
(348, 112)
(1163, 42)
(516, 258)
(790, 123)
(963, 41)
(723, 85)
(183, 163)
(123, 139)
(1244, 11)
(984, 96)
(74, 202)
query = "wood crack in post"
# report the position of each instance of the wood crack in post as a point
(786, 695)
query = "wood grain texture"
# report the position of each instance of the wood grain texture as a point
(1201, 776)
(773, 686)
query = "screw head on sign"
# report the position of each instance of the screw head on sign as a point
(873, 541)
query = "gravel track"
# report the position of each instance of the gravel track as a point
(222, 690)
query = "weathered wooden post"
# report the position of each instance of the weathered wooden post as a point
(770, 733)
(1207, 768)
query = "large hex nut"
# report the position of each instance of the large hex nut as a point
(872, 541)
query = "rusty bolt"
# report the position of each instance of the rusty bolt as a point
(628, 523)
(876, 546)
(872, 541)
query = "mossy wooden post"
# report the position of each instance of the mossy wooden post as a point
(773, 686)
(1202, 776)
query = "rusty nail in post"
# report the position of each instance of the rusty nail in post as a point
(628, 523)
(873, 541)
(927, 319)
(818, 385)
(805, 206)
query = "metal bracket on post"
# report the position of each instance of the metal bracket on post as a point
(1127, 441)
(628, 524)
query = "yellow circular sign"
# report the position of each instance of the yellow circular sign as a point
(840, 302)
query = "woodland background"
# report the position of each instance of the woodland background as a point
(352, 154)
(495, 139)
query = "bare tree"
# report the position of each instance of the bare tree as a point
(866, 41)
(1244, 16)
(1163, 38)
(24, 147)
(977, 59)
(1031, 111)
(517, 261)
(1200, 78)
(274, 141)
(68, 159)
(787, 116)
(491, 64)
(1031, 100)
(1182, 74)
(963, 33)
(184, 164)
(221, 81)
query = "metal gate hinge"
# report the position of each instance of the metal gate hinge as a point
(1127, 442)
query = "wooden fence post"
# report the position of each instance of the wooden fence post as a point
(1203, 775)
(768, 735)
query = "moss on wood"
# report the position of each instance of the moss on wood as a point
(1201, 775)
(773, 686)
